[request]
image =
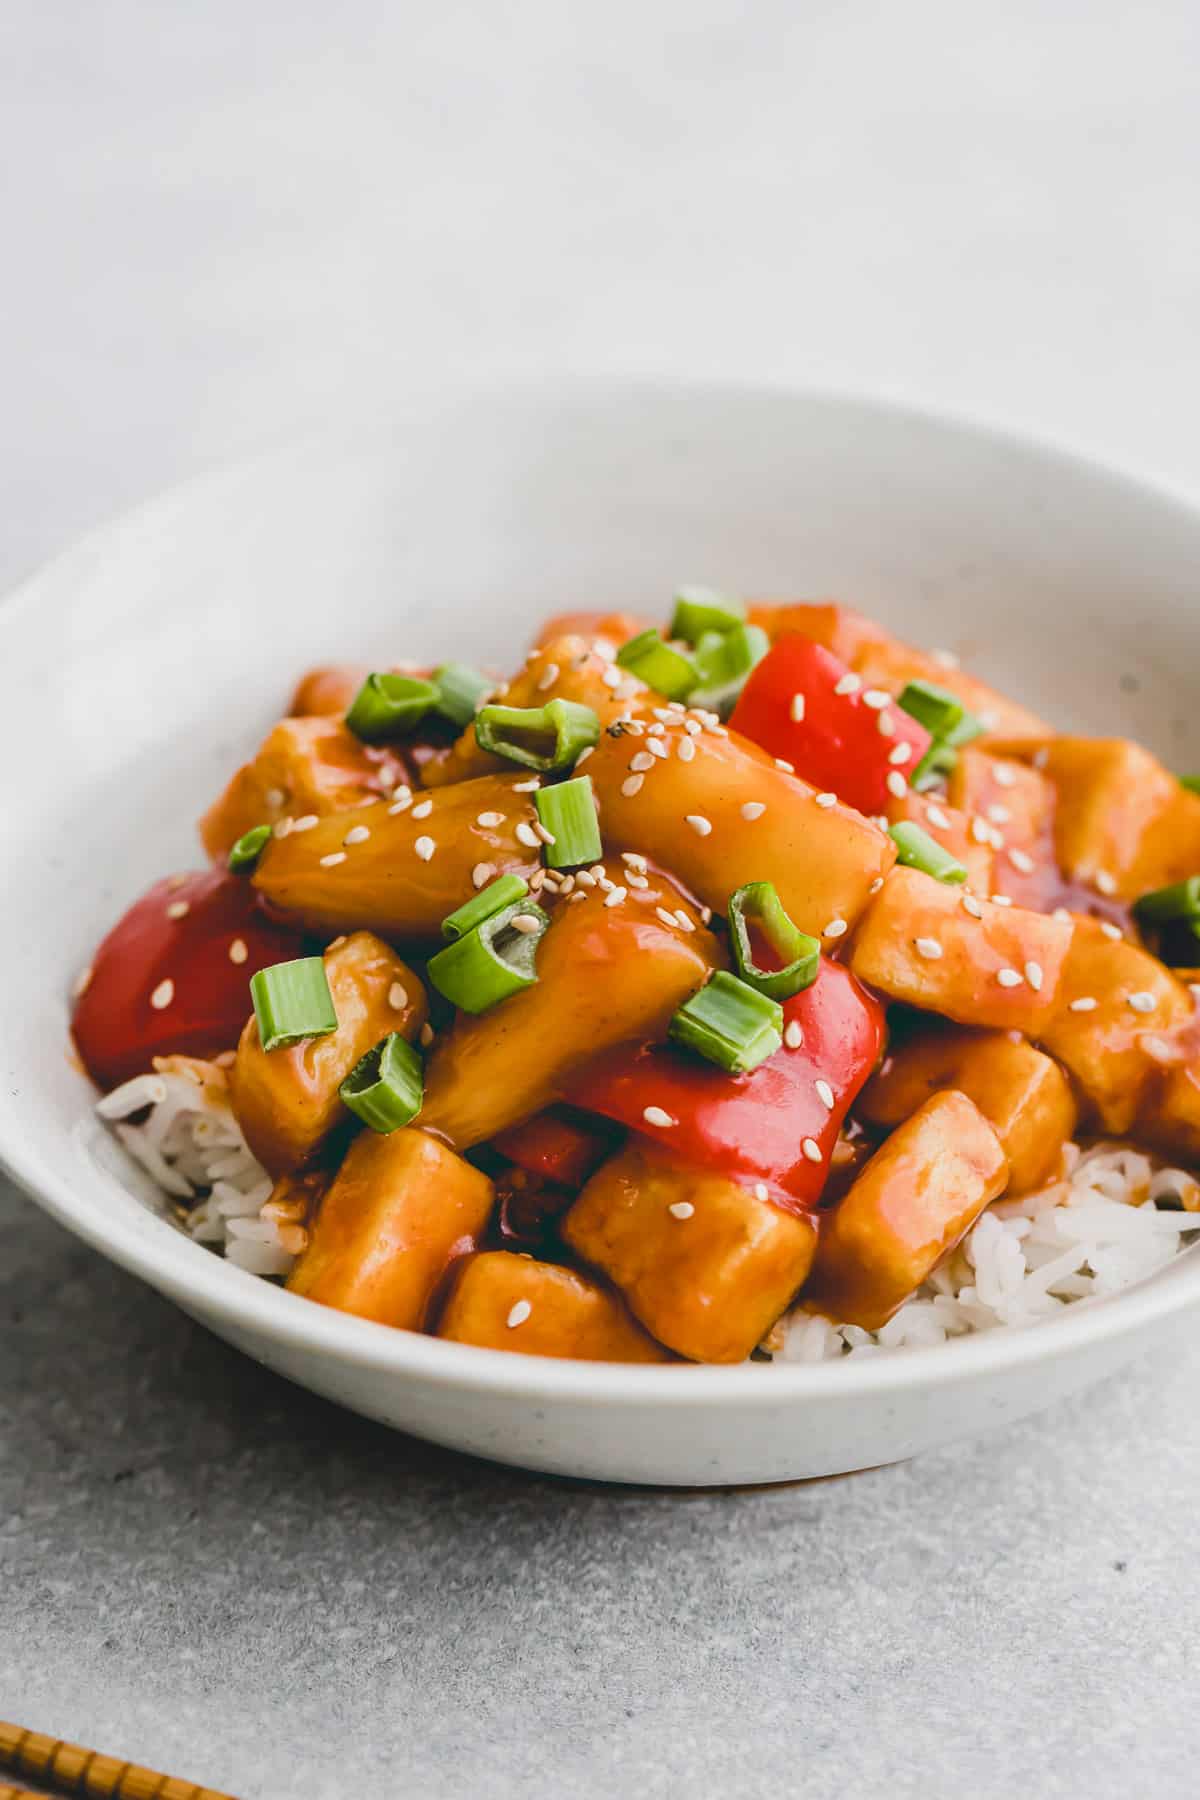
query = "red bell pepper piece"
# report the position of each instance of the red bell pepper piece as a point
(165, 982)
(754, 1127)
(555, 1146)
(836, 743)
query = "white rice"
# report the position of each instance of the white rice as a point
(1085, 1237)
(190, 1144)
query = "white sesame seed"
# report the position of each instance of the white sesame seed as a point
(793, 1036)
(548, 677)
(1143, 1002)
(281, 828)
(178, 909)
(971, 905)
(753, 809)
(692, 727)
(588, 750)
(1033, 975)
(333, 859)
(238, 951)
(899, 754)
(781, 762)
(163, 995)
(489, 820)
(1062, 915)
(656, 731)
(584, 878)
(825, 800)
(632, 785)
(1021, 860)
(886, 725)
(876, 885)
(1041, 757)
(797, 707)
(685, 749)
(615, 897)
(811, 1149)
(897, 784)
(656, 746)
(1010, 978)
(1001, 899)
(357, 834)
(706, 915)
(612, 676)
(400, 805)
(681, 1209)
(848, 683)
(1110, 930)
(929, 948)
(998, 814)
(527, 787)
(1085, 1003)
(178, 881)
(683, 921)
(980, 831)
(836, 928)
(423, 809)
(876, 698)
(761, 1191)
(528, 836)
(641, 762)
(938, 819)
(946, 658)
(699, 824)
(543, 835)
(1004, 775)
(668, 918)
(518, 1314)
(654, 1115)
(274, 797)
(525, 923)
(306, 823)
(825, 1094)
(425, 848)
(426, 1037)
(397, 996)
(633, 859)
(1105, 883)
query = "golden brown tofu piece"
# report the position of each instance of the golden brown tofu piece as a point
(917, 1197)
(930, 945)
(705, 1265)
(287, 1100)
(565, 668)
(1023, 1095)
(414, 865)
(327, 690)
(1111, 1047)
(606, 974)
(505, 1302)
(612, 628)
(1016, 802)
(399, 1210)
(1170, 1116)
(687, 813)
(892, 665)
(847, 634)
(303, 767)
(1123, 823)
(950, 828)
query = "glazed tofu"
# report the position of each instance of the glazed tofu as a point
(933, 946)
(1117, 1006)
(705, 1265)
(914, 1201)
(1170, 1117)
(505, 1302)
(327, 690)
(1016, 802)
(951, 828)
(287, 1100)
(1023, 1094)
(398, 1210)
(626, 971)
(1123, 823)
(304, 767)
(686, 811)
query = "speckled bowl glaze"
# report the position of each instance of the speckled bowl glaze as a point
(143, 663)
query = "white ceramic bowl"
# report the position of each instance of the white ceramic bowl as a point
(141, 665)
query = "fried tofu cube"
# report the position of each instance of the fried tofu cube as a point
(327, 690)
(287, 1101)
(892, 665)
(1116, 1004)
(400, 1208)
(1170, 1117)
(933, 946)
(950, 828)
(1017, 803)
(842, 631)
(705, 1265)
(1023, 1094)
(917, 1197)
(505, 1302)
(612, 628)
(1123, 823)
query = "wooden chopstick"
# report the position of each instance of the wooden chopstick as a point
(72, 1769)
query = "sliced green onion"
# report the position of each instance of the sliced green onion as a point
(292, 1002)
(386, 1088)
(492, 899)
(495, 960)
(1191, 783)
(388, 706)
(668, 671)
(917, 850)
(539, 737)
(701, 609)
(460, 690)
(249, 847)
(1162, 906)
(965, 732)
(799, 954)
(568, 813)
(937, 763)
(729, 1024)
(934, 707)
(723, 661)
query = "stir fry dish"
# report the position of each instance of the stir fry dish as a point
(692, 989)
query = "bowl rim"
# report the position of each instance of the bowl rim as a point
(158, 1252)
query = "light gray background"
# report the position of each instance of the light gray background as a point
(222, 222)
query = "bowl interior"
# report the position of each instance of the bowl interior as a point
(145, 662)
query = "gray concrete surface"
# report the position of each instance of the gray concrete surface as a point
(221, 223)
